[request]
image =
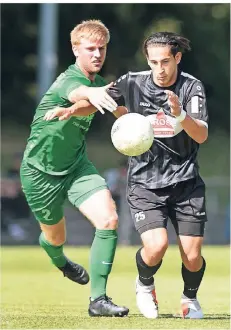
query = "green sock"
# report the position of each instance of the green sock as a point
(54, 252)
(101, 260)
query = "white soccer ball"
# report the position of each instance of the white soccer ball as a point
(132, 134)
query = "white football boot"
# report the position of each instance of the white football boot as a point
(190, 308)
(146, 300)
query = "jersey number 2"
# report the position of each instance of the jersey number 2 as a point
(46, 214)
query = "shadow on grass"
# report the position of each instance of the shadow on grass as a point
(171, 316)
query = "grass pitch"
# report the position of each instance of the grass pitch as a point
(36, 296)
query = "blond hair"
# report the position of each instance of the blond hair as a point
(90, 29)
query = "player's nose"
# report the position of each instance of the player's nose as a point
(97, 53)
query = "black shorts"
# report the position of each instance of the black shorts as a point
(183, 203)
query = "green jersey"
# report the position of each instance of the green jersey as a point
(58, 147)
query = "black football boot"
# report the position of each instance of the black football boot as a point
(75, 272)
(103, 306)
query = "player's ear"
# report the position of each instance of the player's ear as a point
(178, 57)
(75, 50)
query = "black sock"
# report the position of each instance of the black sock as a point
(146, 272)
(192, 280)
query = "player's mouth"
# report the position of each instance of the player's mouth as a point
(97, 63)
(162, 78)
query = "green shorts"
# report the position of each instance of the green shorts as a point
(47, 193)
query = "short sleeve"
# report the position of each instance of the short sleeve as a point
(68, 84)
(196, 105)
(118, 90)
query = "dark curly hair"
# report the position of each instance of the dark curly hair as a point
(174, 40)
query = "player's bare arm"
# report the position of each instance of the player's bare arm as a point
(193, 127)
(120, 111)
(95, 95)
(80, 108)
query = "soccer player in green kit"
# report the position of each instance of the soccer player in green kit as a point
(55, 166)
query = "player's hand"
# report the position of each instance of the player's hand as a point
(174, 103)
(100, 99)
(62, 113)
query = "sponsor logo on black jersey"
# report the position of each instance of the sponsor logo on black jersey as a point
(163, 125)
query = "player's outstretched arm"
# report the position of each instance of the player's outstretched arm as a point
(120, 111)
(95, 95)
(80, 108)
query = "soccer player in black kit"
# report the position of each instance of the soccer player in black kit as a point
(164, 182)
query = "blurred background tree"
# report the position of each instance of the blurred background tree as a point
(206, 25)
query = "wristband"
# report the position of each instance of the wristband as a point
(182, 116)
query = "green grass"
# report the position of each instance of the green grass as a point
(35, 295)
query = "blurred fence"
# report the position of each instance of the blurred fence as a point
(80, 231)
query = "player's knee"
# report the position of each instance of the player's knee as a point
(155, 250)
(192, 261)
(110, 221)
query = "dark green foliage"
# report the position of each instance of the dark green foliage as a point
(206, 25)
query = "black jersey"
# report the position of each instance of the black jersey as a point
(173, 154)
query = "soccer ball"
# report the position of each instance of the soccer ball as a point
(132, 134)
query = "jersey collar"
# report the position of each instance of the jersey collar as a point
(76, 67)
